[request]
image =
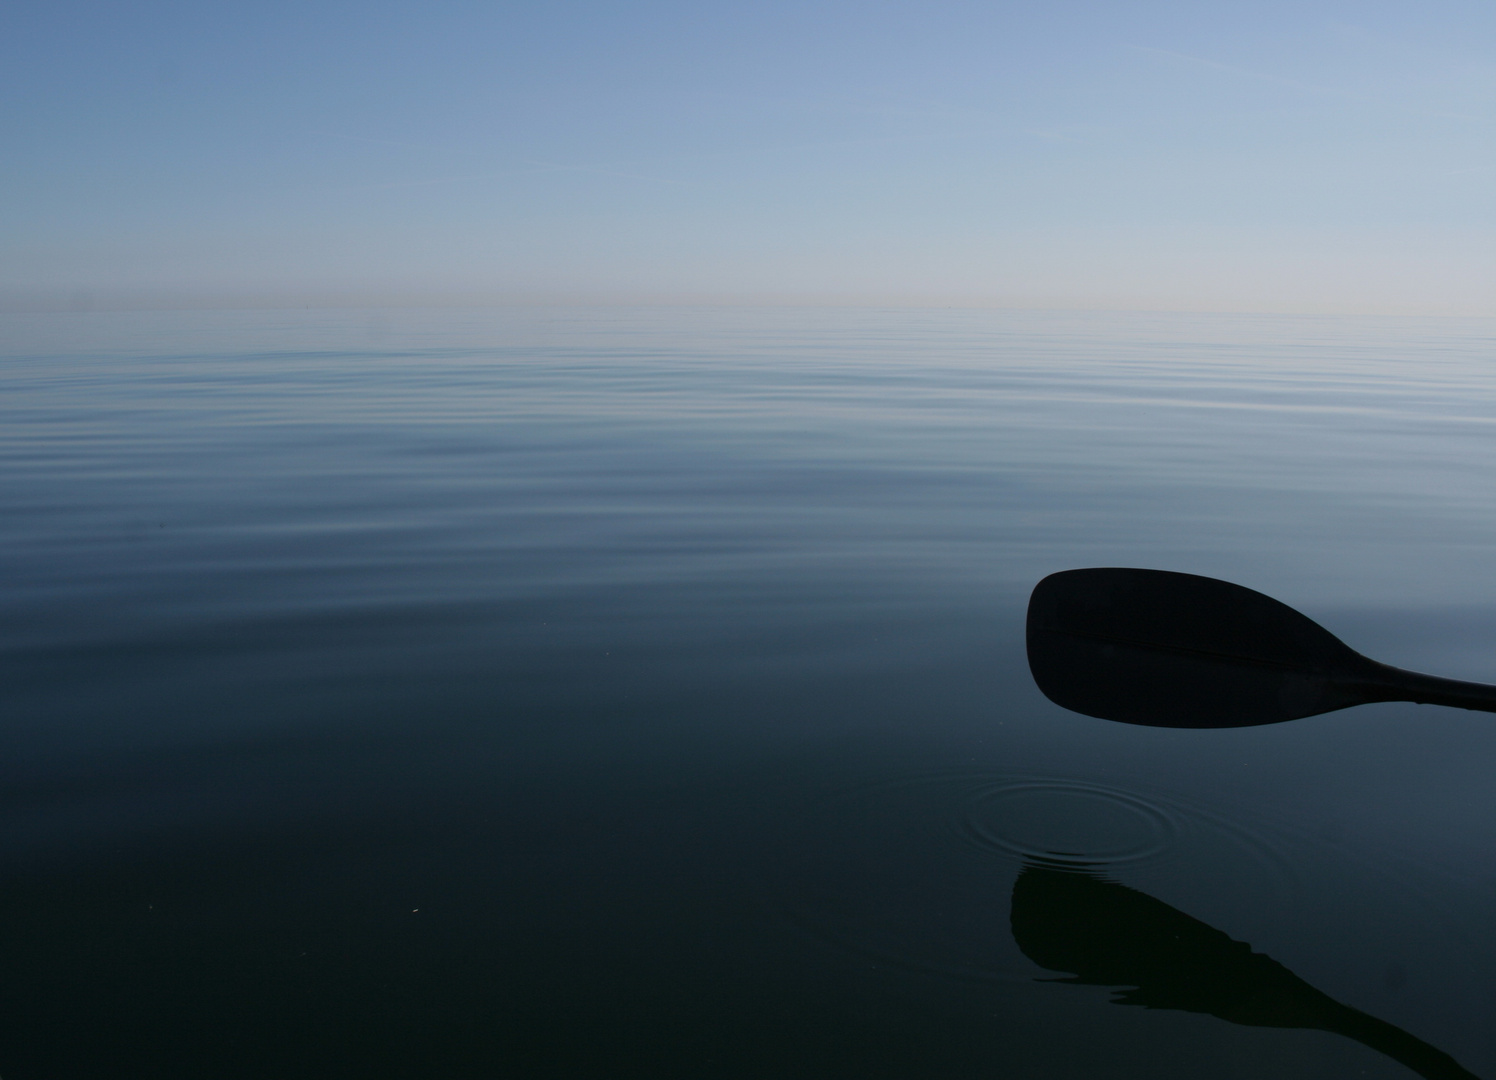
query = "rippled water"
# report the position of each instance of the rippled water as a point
(607, 692)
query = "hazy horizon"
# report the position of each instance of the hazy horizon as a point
(1328, 157)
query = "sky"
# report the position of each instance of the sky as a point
(1264, 156)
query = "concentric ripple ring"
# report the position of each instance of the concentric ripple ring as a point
(1066, 821)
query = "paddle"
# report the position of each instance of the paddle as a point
(1176, 650)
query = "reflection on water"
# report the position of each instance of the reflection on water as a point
(903, 872)
(1102, 933)
(902, 875)
(596, 693)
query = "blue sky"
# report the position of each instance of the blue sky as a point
(1305, 156)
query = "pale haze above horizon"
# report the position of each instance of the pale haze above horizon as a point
(1291, 157)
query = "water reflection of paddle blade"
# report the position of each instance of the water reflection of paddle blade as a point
(1105, 934)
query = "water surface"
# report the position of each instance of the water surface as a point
(608, 692)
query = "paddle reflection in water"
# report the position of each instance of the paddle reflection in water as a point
(1102, 933)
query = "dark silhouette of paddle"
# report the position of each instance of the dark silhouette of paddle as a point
(1176, 650)
(1105, 934)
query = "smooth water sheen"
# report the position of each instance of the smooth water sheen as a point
(642, 692)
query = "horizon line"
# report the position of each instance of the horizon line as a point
(82, 300)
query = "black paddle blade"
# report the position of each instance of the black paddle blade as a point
(1176, 650)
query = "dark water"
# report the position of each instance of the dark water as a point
(604, 693)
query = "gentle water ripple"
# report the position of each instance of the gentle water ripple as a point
(411, 693)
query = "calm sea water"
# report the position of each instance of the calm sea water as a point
(608, 692)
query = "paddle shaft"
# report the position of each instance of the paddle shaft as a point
(1400, 685)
